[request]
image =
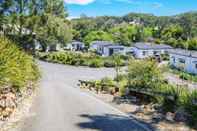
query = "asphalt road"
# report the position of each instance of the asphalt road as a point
(60, 106)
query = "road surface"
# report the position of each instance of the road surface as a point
(60, 106)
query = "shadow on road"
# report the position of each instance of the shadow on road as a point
(111, 122)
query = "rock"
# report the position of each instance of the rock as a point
(2, 103)
(140, 109)
(157, 117)
(170, 116)
(7, 104)
(181, 116)
(133, 99)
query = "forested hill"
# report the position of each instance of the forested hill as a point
(178, 30)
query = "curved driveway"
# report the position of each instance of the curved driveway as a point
(60, 106)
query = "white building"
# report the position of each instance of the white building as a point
(106, 48)
(54, 47)
(114, 49)
(145, 50)
(98, 46)
(75, 46)
(184, 60)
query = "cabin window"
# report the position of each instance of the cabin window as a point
(155, 52)
(174, 60)
(144, 53)
(181, 60)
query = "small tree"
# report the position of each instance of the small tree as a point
(117, 63)
(143, 74)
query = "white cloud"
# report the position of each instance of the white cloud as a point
(157, 5)
(129, 1)
(79, 2)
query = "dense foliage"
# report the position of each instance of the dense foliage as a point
(146, 81)
(80, 59)
(25, 21)
(178, 31)
(16, 67)
(147, 75)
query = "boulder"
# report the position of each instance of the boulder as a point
(181, 116)
(170, 116)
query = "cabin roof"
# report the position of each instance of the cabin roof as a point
(182, 52)
(116, 47)
(148, 46)
(77, 43)
(102, 43)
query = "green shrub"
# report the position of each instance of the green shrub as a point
(184, 76)
(16, 67)
(109, 63)
(143, 74)
(107, 84)
(82, 59)
(189, 102)
(165, 57)
(96, 63)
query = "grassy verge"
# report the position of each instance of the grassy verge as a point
(80, 59)
(183, 75)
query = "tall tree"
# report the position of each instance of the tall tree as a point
(44, 20)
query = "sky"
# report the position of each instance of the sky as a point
(123, 7)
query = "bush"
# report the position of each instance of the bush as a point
(165, 57)
(143, 74)
(16, 67)
(189, 102)
(82, 59)
(184, 76)
(96, 63)
(109, 63)
(107, 83)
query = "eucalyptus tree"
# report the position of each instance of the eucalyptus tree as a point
(44, 20)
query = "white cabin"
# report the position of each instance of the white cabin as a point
(98, 46)
(75, 46)
(114, 49)
(184, 60)
(145, 50)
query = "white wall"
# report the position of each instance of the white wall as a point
(94, 47)
(189, 66)
(148, 53)
(107, 53)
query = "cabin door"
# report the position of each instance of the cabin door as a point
(111, 52)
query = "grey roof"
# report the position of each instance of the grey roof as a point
(77, 43)
(102, 43)
(188, 53)
(116, 47)
(148, 46)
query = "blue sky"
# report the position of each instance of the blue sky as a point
(122, 7)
